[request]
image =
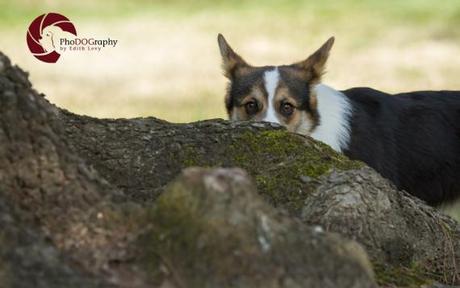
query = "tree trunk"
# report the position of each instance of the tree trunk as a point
(106, 192)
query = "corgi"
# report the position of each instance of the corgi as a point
(413, 138)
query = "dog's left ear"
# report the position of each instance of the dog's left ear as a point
(314, 66)
(232, 63)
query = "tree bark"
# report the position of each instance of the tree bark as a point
(106, 193)
(242, 241)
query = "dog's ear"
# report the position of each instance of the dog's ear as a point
(314, 66)
(232, 63)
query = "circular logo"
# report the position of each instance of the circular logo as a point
(45, 33)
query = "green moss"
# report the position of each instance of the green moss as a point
(279, 159)
(189, 156)
(410, 277)
(183, 232)
(310, 158)
(172, 216)
(276, 159)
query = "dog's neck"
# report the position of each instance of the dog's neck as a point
(334, 111)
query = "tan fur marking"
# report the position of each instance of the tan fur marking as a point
(313, 101)
(302, 124)
(282, 93)
(239, 112)
(300, 121)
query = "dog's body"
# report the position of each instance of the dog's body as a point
(413, 138)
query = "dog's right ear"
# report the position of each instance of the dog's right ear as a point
(232, 63)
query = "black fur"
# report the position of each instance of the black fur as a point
(413, 139)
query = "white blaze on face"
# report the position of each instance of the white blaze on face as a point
(271, 80)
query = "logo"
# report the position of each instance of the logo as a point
(45, 32)
(52, 34)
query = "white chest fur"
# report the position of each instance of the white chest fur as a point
(334, 111)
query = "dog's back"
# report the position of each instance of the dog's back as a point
(411, 138)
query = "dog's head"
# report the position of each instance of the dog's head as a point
(281, 94)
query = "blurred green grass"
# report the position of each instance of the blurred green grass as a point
(364, 19)
(403, 12)
(389, 45)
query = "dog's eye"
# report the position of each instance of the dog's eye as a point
(287, 109)
(251, 107)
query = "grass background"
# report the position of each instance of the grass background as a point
(167, 62)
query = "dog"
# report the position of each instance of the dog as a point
(413, 138)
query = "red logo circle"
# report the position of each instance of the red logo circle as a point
(41, 37)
